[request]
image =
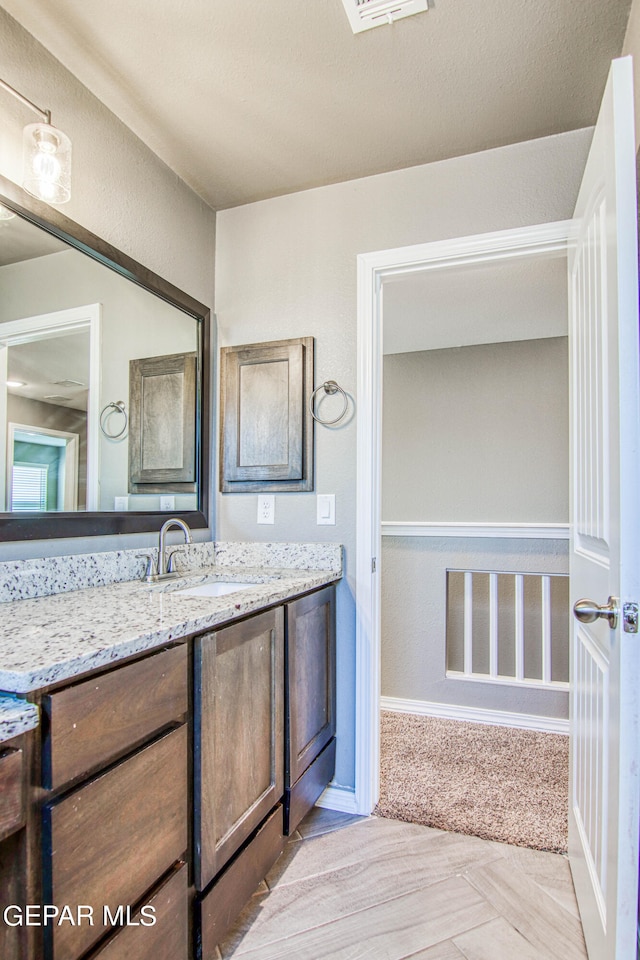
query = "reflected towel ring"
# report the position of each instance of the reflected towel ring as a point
(118, 406)
(330, 387)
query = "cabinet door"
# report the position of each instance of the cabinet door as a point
(311, 651)
(239, 742)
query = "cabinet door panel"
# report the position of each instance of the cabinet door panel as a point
(240, 737)
(311, 673)
(109, 841)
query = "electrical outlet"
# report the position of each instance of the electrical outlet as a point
(121, 504)
(266, 509)
(167, 503)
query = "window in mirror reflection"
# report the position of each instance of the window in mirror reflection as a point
(69, 326)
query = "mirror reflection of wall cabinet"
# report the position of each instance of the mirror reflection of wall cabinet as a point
(75, 316)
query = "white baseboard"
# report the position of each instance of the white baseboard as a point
(503, 718)
(342, 799)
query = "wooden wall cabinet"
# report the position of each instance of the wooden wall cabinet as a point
(310, 702)
(163, 408)
(266, 427)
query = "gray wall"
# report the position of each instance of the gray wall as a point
(287, 268)
(120, 190)
(414, 612)
(477, 434)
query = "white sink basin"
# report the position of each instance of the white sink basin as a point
(217, 588)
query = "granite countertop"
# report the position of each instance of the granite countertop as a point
(52, 638)
(16, 716)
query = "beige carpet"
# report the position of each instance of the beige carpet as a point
(498, 783)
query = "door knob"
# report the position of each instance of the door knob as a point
(587, 611)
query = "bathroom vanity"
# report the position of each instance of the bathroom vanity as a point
(180, 738)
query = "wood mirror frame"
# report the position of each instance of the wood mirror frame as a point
(86, 523)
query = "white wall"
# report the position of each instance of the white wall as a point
(120, 190)
(287, 268)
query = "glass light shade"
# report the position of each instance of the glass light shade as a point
(46, 163)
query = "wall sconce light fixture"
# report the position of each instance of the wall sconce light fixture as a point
(46, 156)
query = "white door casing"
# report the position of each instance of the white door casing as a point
(605, 515)
(46, 326)
(374, 269)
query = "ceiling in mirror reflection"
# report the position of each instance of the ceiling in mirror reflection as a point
(70, 369)
(54, 370)
(20, 240)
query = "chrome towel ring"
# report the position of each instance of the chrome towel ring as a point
(330, 387)
(118, 407)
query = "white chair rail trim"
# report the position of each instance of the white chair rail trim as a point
(493, 531)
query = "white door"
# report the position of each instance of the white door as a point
(605, 549)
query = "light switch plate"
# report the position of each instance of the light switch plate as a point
(326, 509)
(167, 503)
(121, 504)
(266, 508)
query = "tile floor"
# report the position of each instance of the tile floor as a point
(364, 888)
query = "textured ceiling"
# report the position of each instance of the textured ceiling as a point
(247, 100)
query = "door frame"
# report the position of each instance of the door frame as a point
(71, 447)
(48, 325)
(373, 270)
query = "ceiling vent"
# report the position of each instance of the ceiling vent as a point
(365, 14)
(68, 383)
(56, 398)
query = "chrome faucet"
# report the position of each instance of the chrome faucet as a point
(165, 563)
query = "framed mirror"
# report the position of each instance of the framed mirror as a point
(79, 320)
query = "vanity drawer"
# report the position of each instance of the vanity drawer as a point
(109, 841)
(12, 809)
(93, 722)
(168, 938)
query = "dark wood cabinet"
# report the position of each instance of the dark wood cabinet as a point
(107, 842)
(310, 701)
(169, 782)
(14, 765)
(239, 735)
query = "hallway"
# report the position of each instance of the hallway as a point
(352, 888)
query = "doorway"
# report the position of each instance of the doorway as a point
(375, 271)
(474, 620)
(42, 469)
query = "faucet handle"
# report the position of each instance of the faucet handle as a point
(151, 571)
(171, 568)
